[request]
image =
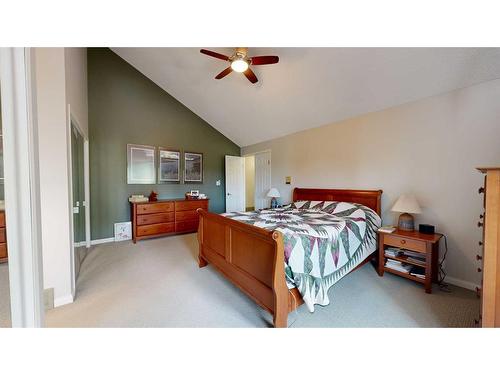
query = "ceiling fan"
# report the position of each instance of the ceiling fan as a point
(240, 62)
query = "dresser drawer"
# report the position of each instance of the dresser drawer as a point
(3, 238)
(153, 208)
(3, 250)
(152, 229)
(155, 218)
(2, 219)
(186, 226)
(190, 205)
(186, 215)
(404, 243)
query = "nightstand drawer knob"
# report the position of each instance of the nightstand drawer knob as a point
(478, 257)
(479, 224)
(481, 190)
(403, 242)
(479, 269)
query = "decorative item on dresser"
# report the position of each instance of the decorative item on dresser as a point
(3, 239)
(489, 315)
(165, 217)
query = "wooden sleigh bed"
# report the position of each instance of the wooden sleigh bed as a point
(253, 258)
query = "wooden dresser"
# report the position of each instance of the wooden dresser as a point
(165, 217)
(3, 239)
(490, 257)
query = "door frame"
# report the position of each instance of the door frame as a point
(72, 121)
(270, 167)
(22, 186)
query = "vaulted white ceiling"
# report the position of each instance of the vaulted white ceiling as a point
(309, 87)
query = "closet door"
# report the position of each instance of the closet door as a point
(235, 183)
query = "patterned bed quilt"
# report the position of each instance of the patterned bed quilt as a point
(323, 241)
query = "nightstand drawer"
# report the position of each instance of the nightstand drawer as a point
(405, 243)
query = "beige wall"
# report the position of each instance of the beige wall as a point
(60, 79)
(76, 85)
(430, 147)
(250, 181)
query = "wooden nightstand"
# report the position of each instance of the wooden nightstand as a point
(427, 244)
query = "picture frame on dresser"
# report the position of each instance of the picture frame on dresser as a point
(193, 167)
(169, 165)
(141, 164)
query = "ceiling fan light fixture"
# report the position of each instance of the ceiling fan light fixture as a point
(239, 65)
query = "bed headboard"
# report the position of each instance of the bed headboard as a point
(369, 198)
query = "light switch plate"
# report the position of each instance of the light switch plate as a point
(217, 183)
(288, 180)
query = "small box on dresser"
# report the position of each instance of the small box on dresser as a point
(165, 217)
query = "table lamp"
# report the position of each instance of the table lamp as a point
(273, 194)
(406, 204)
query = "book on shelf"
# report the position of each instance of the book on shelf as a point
(398, 266)
(387, 229)
(417, 272)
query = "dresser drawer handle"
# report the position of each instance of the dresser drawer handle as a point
(479, 224)
(479, 269)
(403, 242)
(478, 257)
(480, 243)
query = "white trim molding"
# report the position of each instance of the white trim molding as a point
(64, 300)
(460, 283)
(102, 240)
(22, 188)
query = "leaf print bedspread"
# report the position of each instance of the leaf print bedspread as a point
(323, 241)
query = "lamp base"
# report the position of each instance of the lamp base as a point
(274, 203)
(406, 222)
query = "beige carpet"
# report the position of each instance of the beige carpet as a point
(157, 283)
(4, 296)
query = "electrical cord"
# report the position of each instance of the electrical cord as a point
(441, 272)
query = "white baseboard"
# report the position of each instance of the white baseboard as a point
(64, 300)
(460, 283)
(102, 240)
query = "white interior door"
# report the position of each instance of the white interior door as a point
(235, 183)
(262, 179)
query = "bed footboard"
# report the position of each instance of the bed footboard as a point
(251, 257)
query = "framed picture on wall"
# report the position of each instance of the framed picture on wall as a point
(169, 169)
(193, 167)
(141, 164)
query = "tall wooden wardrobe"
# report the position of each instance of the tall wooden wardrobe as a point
(490, 257)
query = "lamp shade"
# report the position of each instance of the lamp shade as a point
(407, 203)
(273, 193)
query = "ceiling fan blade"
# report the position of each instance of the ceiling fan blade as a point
(214, 54)
(224, 73)
(250, 75)
(264, 60)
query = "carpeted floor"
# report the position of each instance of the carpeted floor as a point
(157, 283)
(4, 296)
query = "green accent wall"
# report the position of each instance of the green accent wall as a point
(126, 107)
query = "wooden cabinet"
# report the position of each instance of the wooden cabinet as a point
(155, 219)
(427, 244)
(489, 256)
(3, 239)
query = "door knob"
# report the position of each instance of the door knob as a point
(229, 194)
